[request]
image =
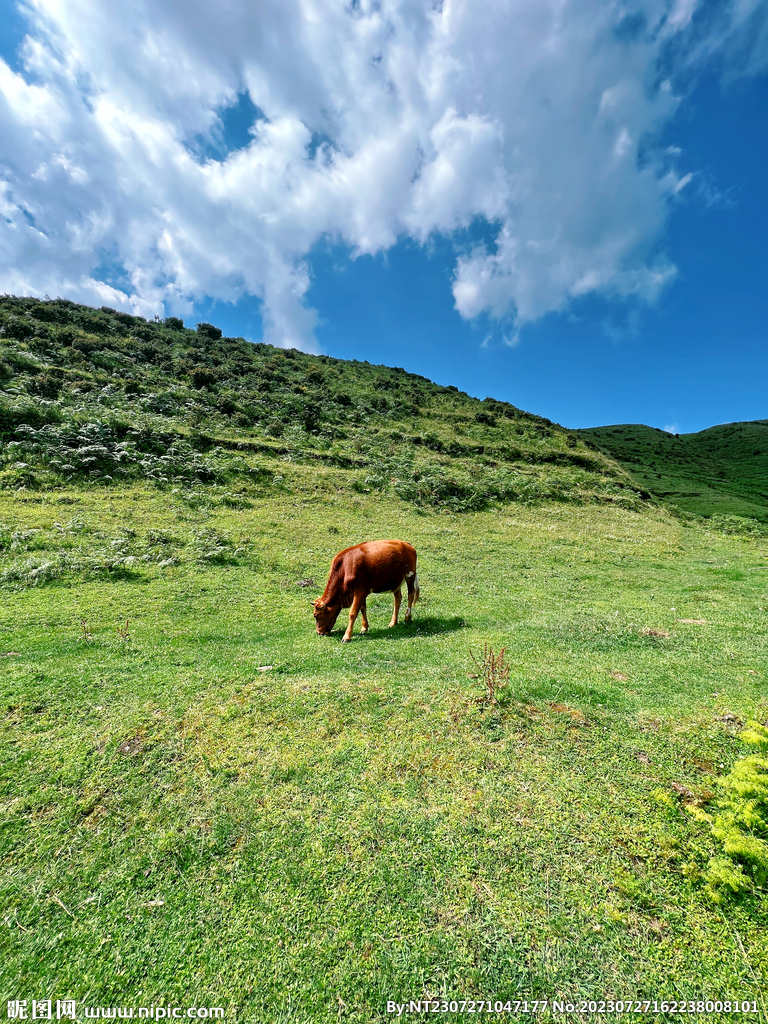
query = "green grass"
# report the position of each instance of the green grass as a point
(236, 812)
(207, 804)
(722, 471)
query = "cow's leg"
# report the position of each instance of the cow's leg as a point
(398, 596)
(357, 601)
(409, 580)
(364, 616)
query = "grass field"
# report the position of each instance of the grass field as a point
(212, 806)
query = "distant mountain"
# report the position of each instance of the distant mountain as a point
(719, 471)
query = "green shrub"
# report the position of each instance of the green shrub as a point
(740, 821)
(485, 417)
(203, 377)
(15, 327)
(209, 331)
(226, 405)
(47, 385)
(738, 525)
(14, 416)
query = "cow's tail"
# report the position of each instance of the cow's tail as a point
(415, 587)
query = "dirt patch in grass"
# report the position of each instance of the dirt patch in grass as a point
(132, 746)
(577, 716)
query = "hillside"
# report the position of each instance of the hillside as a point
(719, 471)
(207, 804)
(102, 396)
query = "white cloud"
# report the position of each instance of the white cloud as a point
(682, 182)
(527, 113)
(681, 14)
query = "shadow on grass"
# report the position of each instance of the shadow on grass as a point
(430, 625)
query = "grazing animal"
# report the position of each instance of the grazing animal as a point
(375, 567)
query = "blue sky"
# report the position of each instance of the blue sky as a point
(572, 218)
(697, 357)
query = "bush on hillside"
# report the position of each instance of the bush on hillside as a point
(106, 451)
(738, 525)
(15, 327)
(209, 331)
(740, 821)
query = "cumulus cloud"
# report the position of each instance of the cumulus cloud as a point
(377, 120)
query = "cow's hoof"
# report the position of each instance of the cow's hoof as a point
(346, 639)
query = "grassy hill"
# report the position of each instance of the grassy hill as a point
(719, 471)
(206, 804)
(102, 396)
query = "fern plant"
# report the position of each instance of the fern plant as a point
(740, 822)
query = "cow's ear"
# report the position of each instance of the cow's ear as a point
(319, 604)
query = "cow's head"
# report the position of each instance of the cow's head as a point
(325, 616)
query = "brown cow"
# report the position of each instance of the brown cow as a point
(378, 567)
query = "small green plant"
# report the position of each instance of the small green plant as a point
(741, 821)
(212, 546)
(493, 670)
